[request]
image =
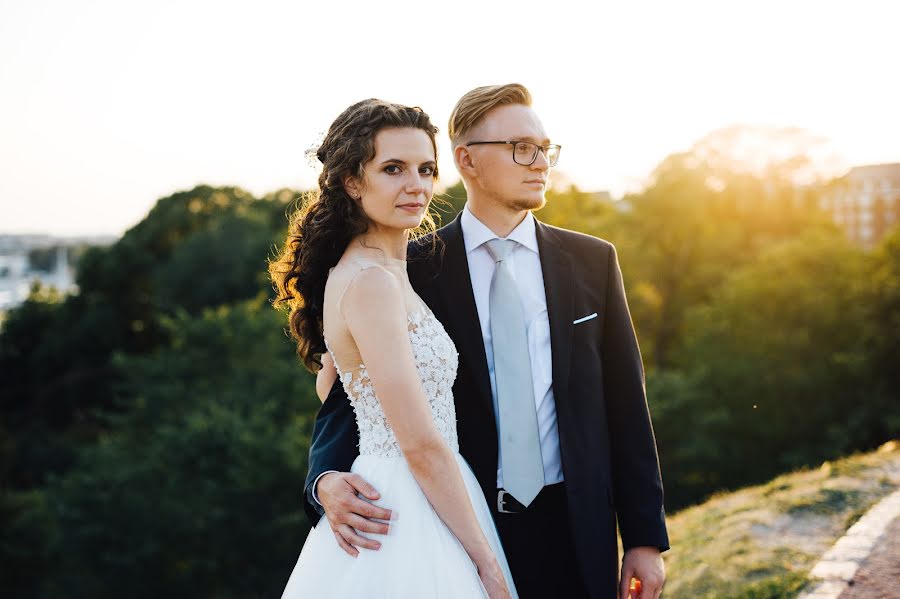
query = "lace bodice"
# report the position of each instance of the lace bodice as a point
(436, 360)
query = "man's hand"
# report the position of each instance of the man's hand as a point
(347, 513)
(645, 564)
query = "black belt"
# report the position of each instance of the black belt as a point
(507, 504)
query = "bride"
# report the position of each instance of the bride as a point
(343, 271)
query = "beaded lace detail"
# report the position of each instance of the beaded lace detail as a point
(436, 360)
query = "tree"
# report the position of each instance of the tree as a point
(883, 327)
(774, 370)
(199, 248)
(197, 492)
(703, 214)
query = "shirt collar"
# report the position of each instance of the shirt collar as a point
(476, 233)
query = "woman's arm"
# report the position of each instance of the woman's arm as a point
(375, 313)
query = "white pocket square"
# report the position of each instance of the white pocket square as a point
(590, 317)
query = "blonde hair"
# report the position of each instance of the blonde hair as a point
(475, 104)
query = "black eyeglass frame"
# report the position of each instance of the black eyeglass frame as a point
(515, 143)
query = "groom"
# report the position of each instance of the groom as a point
(548, 355)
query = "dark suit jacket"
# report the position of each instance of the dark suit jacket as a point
(608, 450)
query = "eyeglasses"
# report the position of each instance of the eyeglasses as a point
(525, 152)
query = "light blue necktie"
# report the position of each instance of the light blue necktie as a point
(520, 442)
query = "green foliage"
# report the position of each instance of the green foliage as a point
(204, 247)
(826, 501)
(215, 266)
(689, 230)
(26, 332)
(25, 539)
(197, 491)
(128, 407)
(572, 208)
(773, 372)
(883, 328)
(775, 585)
(34, 405)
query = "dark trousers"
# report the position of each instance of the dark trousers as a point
(539, 547)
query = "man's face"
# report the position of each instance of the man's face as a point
(515, 186)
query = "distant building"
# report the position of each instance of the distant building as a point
(18, 273)
(866, 202)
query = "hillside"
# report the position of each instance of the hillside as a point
(761, 541)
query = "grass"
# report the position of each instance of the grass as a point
(760, 542)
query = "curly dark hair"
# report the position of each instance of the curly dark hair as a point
(328, 219)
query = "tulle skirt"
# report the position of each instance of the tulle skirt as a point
(419, 557)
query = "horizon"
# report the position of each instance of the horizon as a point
(80, 236)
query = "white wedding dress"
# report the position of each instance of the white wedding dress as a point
(419, 557)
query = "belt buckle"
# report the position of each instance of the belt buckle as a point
(500, 502)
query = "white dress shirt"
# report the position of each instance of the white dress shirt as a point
(526, 267)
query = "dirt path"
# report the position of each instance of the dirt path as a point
(879, 575)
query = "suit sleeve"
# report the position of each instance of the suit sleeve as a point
(333, 446)
(637, 482)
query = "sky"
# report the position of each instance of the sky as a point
(107, 106)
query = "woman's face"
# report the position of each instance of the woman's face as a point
(399, 181)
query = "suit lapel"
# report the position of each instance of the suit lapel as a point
(455, 286)
(453, 281)
(558, 288)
